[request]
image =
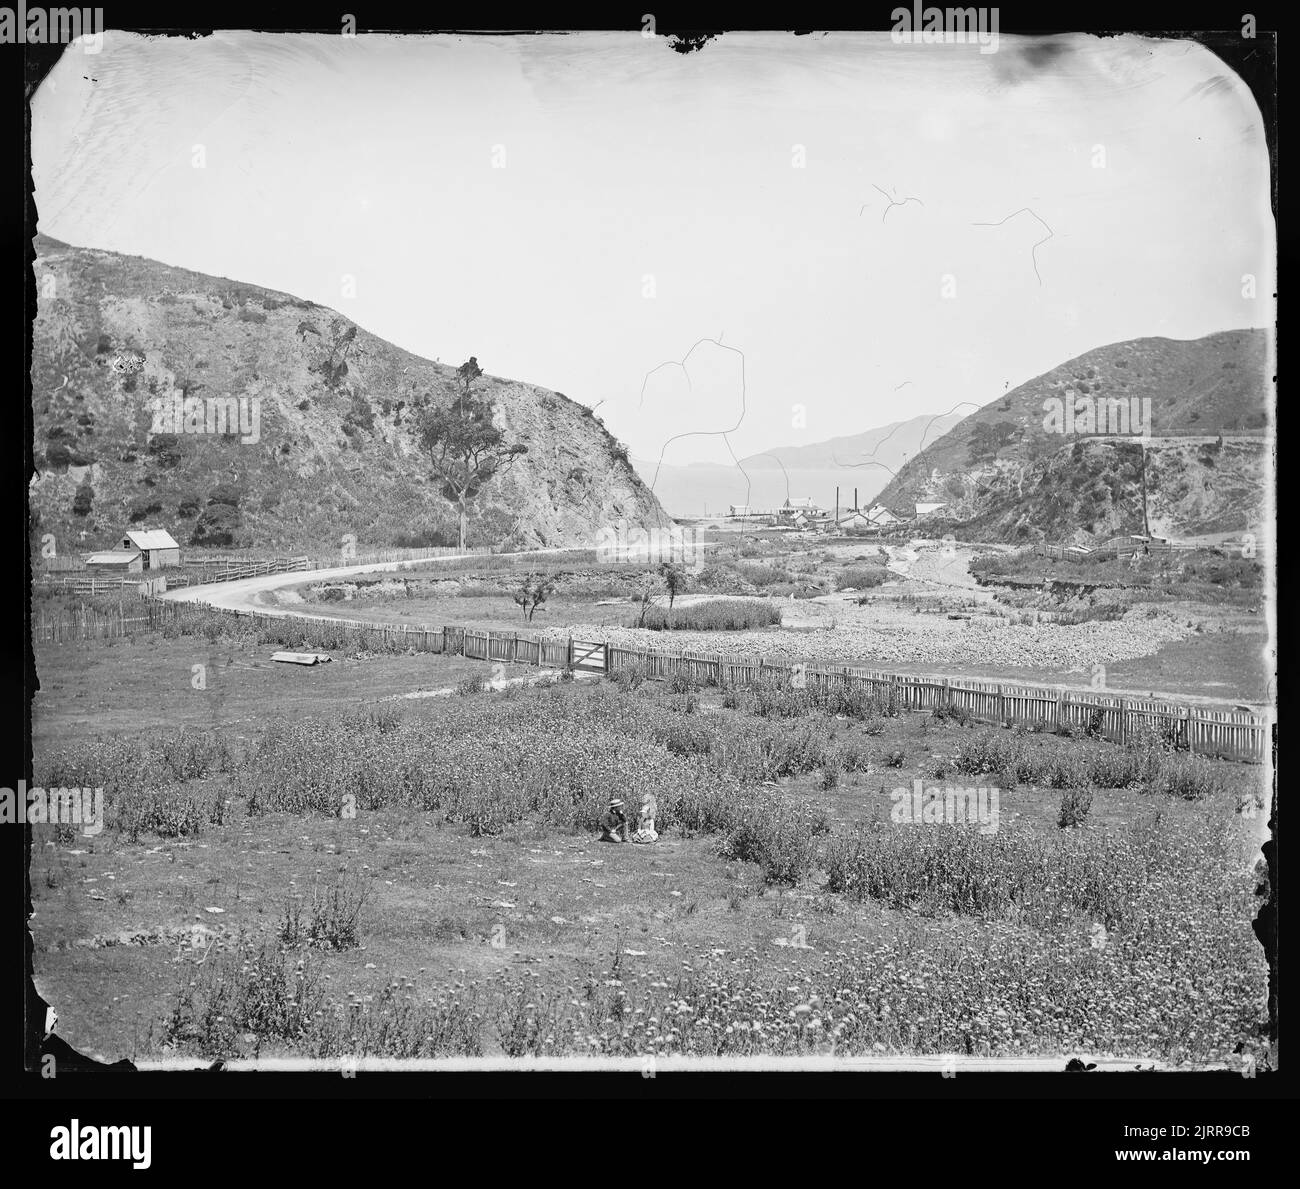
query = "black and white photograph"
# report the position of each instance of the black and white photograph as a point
(653, 552)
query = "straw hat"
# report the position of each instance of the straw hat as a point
(613, 801)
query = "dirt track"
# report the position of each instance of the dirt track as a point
(244, 594)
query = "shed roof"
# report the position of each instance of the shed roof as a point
(151, 538)
(113, 557)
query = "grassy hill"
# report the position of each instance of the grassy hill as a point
(1006, 475)
(335, 450)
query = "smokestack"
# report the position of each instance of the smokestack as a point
(837, 505)
(855, 499)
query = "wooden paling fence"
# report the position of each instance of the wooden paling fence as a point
(1117, 548)
(95, 584)
(1224, 733)
(1203, 730)
(91, 623)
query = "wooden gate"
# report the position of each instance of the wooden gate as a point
(586, 656)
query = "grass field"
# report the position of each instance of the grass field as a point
(467, 908)
(136, 684)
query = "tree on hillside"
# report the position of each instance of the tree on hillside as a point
(987, 439)
(465, 449)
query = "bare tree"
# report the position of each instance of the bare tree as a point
(646, 598)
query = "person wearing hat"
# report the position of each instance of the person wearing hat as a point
(613, 822)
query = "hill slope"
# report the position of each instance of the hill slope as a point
(1006, 475)
(335, 452)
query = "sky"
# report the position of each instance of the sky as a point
(584, 212)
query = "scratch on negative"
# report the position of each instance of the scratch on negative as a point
(1033, 252)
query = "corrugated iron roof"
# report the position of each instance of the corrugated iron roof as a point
(154, 538)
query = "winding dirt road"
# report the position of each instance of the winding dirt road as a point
(244, 594)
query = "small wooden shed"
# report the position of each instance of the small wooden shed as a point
(157, 546)
(123, 561)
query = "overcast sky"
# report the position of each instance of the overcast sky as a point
(518, 198)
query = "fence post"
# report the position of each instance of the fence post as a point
(1191, 742)
(1123, 719)
(1060, 710)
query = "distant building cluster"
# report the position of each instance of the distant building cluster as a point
(806, 514)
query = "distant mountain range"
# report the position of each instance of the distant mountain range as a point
(864, 462)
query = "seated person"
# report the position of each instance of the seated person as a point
(613, 822)
(645, 827)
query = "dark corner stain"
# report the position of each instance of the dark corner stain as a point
(1265, 922)
(47, 1052)
(686, 43)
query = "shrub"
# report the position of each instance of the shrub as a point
(945, 712)
(854, 757)
(628, 677)
(251, 991)
(1075, 804)
(761, 573)
(682, 683)
(166, 448)
(725, 615)
(217, 526)
(225, 493)
(333, 918)
(779, 839)
(170, 811)
(861, 577)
